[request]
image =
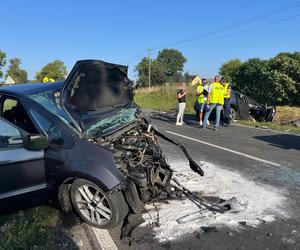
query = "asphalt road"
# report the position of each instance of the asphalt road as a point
(264, 156)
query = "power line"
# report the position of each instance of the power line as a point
(241, 31)
(224, 29)
(134, 57)
(234, 25)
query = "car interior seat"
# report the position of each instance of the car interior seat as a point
(7, 115)
(20, 118)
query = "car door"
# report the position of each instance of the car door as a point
(21, 171)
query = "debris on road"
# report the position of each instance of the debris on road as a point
(260, 203)
(296, 123)
(203, 204)
(231, 234)
(209, 229)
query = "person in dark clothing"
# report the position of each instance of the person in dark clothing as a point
(226, 110)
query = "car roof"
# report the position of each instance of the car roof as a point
(31, 88)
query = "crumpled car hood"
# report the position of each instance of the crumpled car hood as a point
(95, 87)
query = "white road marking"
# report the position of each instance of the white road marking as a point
(104, 239)
(226, 149)
(264, 129)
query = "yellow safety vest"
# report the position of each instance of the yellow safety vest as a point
(47, 79)
(200, 98)
(225, 90)
(216, 94)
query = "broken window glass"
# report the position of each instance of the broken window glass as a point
(109, 124)
(50, 101)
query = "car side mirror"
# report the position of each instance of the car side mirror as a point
(36, 142)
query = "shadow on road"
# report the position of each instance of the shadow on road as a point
(285, 141)
(171, 118)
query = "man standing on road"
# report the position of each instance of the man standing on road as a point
(181, 93)
(215, 99)
(201, 93)
(200, 99)
(226, 111)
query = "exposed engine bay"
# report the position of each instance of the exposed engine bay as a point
(140, 159)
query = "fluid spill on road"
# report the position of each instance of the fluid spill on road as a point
(263, 203)
(288, 176)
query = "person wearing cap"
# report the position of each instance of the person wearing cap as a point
(181, 94)
(226, 110)
(215, 100)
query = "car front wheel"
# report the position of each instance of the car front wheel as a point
(232, 114)
(97, 208)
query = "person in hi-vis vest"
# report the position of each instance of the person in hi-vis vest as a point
(215, 99)
(226, 111)
(201, 95)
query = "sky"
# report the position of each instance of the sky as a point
(121, 31)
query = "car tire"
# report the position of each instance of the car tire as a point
(97, 208)
(232, 114)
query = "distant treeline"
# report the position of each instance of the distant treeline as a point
(275, 81)
(55, 70)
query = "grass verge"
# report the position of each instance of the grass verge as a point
(272, 125)
(32, 229)
(163, 98)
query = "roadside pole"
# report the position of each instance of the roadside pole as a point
(149, 68)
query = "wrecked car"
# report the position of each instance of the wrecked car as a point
(243, 108)
(83, 141)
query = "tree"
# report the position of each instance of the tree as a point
(288, 64)
(187, 77)
(15, 72)
(283, 87)
(275, 80)
(284, 75)
(251, 78)
(173, 61)
(158, 76)
(55, 70)
(2, 62)
(229, 70)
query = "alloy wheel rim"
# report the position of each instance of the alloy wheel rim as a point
(93, 204)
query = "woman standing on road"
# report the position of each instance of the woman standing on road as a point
(181, 93)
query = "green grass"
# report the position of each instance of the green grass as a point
(32, 229)
(8, 104)
(272, 125)
(165, 99)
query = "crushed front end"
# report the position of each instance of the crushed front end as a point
(140, 159)
(137, 155)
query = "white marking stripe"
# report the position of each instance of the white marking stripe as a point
(23, 191)
(227, 149)
(264, 129)
(104, 239)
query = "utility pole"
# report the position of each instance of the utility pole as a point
(149, 68)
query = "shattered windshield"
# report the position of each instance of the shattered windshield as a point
(50, 101)
(109, 124)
